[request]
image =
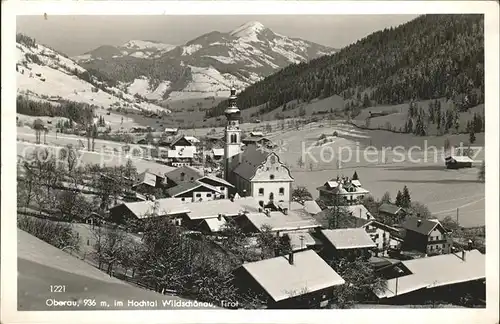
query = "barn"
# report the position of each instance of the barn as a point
(458, 162)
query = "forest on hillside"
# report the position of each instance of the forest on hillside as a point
(432, 56)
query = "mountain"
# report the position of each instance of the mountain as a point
(206, 66)
(432, 56)
(133, 48)
(43, 74)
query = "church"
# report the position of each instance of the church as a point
(252, 170)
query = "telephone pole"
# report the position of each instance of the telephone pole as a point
(457, 216)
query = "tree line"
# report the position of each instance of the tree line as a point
(432, 56)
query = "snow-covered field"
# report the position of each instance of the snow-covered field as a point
(142, 87)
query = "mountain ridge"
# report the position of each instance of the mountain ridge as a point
(206, 66)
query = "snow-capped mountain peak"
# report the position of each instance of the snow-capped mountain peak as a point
(249, 30)
(206, 66)
(140, 44)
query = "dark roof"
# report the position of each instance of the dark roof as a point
(245, 163)
(424, 227)
(175, 175)
(181, 141)
(389, 208)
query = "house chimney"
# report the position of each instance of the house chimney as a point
(419, 222)
(463, 255)
(285, 211)
(219, 217)
(290, 258)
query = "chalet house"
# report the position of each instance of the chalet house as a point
(346, 243)
(343, 190)
(392, 211)
(142, 210)
(261, 175)
(299, 280)
(458, 162)
(181, 156)
(382, 235)
(278, 221)
(189, 215)
(193, 140)
(256, 140)
(182, 174)
(225, 187)
(195, 191)
(440, 278)
(426, 236)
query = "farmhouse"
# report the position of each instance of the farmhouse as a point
(147, 181)
(442, 277)
(396, 213)
(225, 187)
(346, 243)
(277, 221)
(458, 162)
(426, 236)
(299, 280)
(182, 174)
(171, 131)
(359, 211)
(194, 191)
(218, 153)
(382, 235)
(342, 190)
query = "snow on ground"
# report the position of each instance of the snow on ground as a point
(248, 32)
(207, 82)
(222, 59)
(55, 79)
(142, 87)
(140, 44)
(190, 49)
(139, 54)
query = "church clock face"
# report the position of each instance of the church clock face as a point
(233, 123)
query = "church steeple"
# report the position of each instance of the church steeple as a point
(232, 132)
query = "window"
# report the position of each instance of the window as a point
(444, 245)
(209, 195)
(183, 199)
(267, 169)
(271, 177)
(261, 203)
(261, 191)
(432, 247)
(198, 195)
(277, 168)
(222, 188)
(234, 138)
(182, 176)
(192, 178)
(282, 191)
(271, 196)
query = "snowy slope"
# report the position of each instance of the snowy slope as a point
(43, 73)
(206, 66)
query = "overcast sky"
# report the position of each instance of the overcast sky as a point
(76, 35)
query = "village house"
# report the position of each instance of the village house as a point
(395, 213)
(441, 278)
(458, 162)
(146, 181)
(190, 215)
(195, 191)
(224, 187)
(359, 211)
(299, 280)
(182, 174)
(171, 131)
(346, 243)
(217, 153)
(277, 221)
(382, 235)
(342, 190)
(426, 236)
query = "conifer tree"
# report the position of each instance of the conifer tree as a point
(399, 199)
(406, 199)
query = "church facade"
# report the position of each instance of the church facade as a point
(254, 171)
